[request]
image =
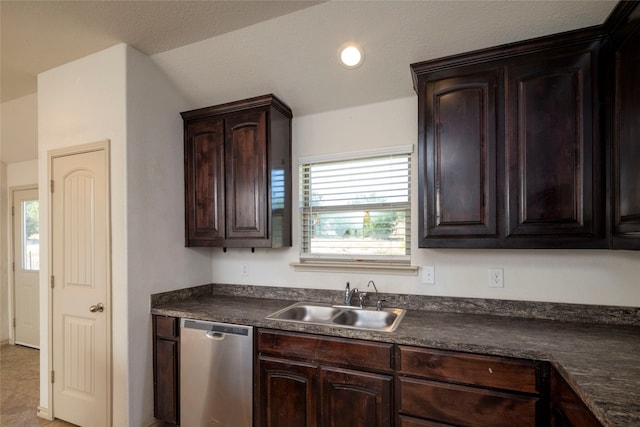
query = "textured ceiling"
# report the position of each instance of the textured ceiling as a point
(295, 56)
(38, 35)
(220, 51)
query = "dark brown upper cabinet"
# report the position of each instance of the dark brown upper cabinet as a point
(554, 158)
(534, 144)
(458, 155)
(237, 159)
(509, 148)
(623, 126)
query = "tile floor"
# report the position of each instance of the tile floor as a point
(19, 388)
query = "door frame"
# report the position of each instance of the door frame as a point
(12, 261)
(103, 145)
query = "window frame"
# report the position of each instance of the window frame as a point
(395, 263)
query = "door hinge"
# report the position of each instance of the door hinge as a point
(52, 186)
(13, 211)
(53, 377)
(14, 322)
(53, 282)
(13, 266)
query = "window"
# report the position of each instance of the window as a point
(357, 207)
(30, 235)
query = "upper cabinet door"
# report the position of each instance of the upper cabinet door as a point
(246, 167)
(457, 157)
(625, 150)
(553, 153)
(204, 181)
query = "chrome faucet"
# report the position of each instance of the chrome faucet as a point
(378, 300)
(348, 294)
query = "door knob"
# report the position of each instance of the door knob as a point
(97, 308)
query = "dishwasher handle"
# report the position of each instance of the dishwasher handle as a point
(214, 335)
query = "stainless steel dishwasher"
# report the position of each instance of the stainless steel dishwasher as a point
(216, 374)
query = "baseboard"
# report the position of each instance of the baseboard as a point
(44, 413)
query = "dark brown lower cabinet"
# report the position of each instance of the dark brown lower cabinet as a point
(308, 380)
(287, 393)
(354, 398)
(439, 388)
(465, 405)
(567, 409)
(166, 363)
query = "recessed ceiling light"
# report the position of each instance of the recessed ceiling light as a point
(351, 55)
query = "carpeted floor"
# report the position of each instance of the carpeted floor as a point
(19, 388)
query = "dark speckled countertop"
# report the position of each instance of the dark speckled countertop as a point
(600, 360)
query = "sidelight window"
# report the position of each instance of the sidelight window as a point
(30, 235)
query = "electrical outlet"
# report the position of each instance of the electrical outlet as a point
(496, 278)
(428, 275)
(245, 270)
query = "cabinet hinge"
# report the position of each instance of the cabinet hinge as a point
(53, 377)
(53, 282)
(52, 186)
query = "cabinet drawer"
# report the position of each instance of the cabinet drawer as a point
(463, 405)
(166, 327)
(487, 371)
(326, 350)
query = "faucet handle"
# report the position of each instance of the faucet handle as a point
(361, 297)
(379, 304)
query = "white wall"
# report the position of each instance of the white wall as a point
(19, 129)
(18, 148)
(118, 94)
(573, 276)
(78, 103)
(157, 258)
(22, 173)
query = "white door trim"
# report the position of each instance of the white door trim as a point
(51, 155)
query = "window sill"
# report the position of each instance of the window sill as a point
(382, 268)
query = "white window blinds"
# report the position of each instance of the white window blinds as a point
(357, 207)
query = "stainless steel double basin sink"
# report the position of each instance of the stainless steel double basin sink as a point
(385, 319)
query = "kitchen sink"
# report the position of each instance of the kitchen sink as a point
(386, 319)
(308, 313)
(370, 319)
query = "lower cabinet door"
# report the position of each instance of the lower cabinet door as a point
(166, 381)
(354, 399)
(287, 394)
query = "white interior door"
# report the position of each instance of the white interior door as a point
(26, 266)
(80, 265)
